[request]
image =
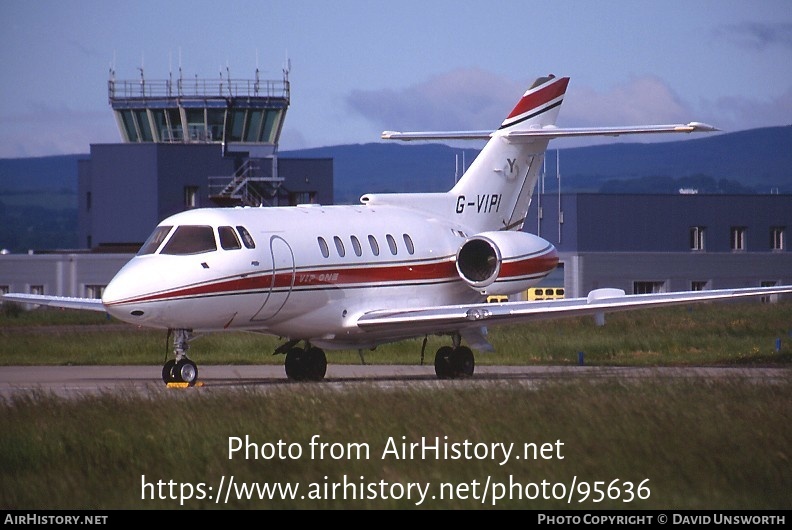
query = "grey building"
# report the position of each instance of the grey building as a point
(662, 243)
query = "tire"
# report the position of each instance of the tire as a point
(443, 367)
(168, 372)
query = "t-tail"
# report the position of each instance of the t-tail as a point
(495, 191)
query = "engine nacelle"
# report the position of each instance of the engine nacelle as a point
(505, 262)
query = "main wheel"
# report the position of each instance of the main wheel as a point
(443, 367)
(462, 362)
(316, 362)
(295, 364)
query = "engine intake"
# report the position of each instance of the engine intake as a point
(505, 262)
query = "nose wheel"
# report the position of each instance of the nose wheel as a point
(180, 369)
(184, 371)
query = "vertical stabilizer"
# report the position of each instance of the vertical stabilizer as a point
(495, 191)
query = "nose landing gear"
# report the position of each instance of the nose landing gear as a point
(180, 369)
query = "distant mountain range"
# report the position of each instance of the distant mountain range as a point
(752, 161)
(38, 196)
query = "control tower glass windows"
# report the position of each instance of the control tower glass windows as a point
(215, 120)
(144, 126)
(128, 121)
(237, 125)
(253, 126)
(196, 124)
(176, 129)
(271, 126)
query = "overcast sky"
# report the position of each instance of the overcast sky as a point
(360, 67)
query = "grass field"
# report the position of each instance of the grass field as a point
(649, 444)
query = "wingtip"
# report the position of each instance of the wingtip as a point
(702, 127)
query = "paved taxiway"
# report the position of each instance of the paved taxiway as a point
(75, 381)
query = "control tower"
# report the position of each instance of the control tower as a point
(242, 115)
(191, 143)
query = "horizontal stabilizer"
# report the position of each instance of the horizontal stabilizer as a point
(550, 132)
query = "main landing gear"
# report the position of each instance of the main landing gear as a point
(304, 364)
(454, 363)
(180, 369)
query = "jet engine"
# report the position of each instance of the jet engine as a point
(504, 262)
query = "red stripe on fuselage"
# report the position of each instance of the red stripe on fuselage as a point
(344, 277)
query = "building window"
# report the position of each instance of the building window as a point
(648, 287)
(777, 238)
(94, 291)
(36, 289)
(696, 238)
(302, 197)
(699, 285)
(737, 238)
(88, 202)
(191, 196)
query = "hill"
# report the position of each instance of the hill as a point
(38, 196)
(752, 161)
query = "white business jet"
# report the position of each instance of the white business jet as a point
(396, 266)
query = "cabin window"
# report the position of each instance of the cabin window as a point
(323, 247)
(409, 244)
(247, 239)
(374, 245)
(228, 238)
(339, 246)
(155, 240)
(356, 246)
(391, 244)
(188, 239)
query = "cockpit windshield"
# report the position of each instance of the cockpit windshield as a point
(155, 240)
(191, 239)
(188, 239)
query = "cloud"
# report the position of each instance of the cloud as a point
(736, 113)
(638, 101)
(462, 99)
(757, 36)
(45, 129)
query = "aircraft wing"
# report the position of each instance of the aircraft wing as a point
(598, 302)
(551, 132)
(66, 302)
